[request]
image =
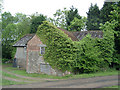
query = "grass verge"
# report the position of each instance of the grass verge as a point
(14, 77)
(8, 82)
(107, 73)
(24, 73)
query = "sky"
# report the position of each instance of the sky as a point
(48, 7)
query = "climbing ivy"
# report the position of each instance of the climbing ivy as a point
(84, 56)
(60, 48)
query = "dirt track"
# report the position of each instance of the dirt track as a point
(95, 82)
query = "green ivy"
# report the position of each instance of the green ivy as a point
(84, 56)
(60, 48)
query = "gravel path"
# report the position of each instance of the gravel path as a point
(16, 80)
(95, 82)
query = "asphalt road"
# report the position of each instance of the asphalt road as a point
(94, 82)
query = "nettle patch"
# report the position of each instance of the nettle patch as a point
(87, 55)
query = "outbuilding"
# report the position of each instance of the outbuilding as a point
(30, 50)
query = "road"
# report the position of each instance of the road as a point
(94, 82)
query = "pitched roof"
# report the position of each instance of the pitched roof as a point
(23, 41)
(70, 34)
(75, 36)
(80, 34)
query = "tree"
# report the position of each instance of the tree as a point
(115, 16)
(60, 18)
(93, 18)
(7, 18)
(64, 17)
(72, 13)
(9, 35)
(105, 12)
(23, 24)
(19, 17)
(15, 28)
(77, 24)
(36, 21)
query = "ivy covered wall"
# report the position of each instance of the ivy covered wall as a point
(84, 56)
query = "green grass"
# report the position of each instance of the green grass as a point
(9, 75)
(112, 87)
(8, 82)
(13, 76)
(71, 76)
(107, 73)
(24, 73)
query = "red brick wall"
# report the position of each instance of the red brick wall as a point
(33, 44)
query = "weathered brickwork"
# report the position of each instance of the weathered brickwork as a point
(33, 44)
(29, 58)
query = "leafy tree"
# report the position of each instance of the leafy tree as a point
(77, 24)
(17, 27)
(115, 16)
(105, 12)
(7, 18)
(107, 43)
(19, 17)
(60, 18)
(72, 13)
(64, 17)
(36, 21)
(93, 18)
(8, 37)
(23, 24)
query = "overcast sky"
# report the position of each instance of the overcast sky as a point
(47, 7)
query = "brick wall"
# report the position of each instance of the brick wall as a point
(33, 44)
(35, 62)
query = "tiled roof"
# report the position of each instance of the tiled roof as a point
(80, 34)
(70, 34)
(23, 41)
(75, 36)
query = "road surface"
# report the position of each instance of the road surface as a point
(94, 82)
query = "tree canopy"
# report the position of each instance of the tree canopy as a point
(64, 18)
(93, 18)
(35, 22)
(106, 11)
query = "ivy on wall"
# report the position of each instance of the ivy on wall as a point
(58, 51)
(84, 56)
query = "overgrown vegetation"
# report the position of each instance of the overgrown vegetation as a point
(60, 48)
(85, 56)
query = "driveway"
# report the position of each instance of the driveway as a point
(94, 82)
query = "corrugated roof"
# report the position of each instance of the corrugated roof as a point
(94, 34)
(23, 41)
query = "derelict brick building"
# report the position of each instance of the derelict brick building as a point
(30, 49)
